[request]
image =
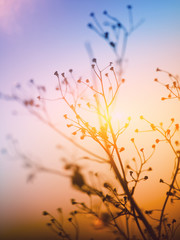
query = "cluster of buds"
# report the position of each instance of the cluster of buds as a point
(97, 102)
(112, 30)
(173, 86)
(167, 133)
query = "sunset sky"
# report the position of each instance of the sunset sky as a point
(38, 37)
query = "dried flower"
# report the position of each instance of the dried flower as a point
(177, 126)
(91, 14)
(122, 149)
(59, 210)
(174, 220)
(112, 44)
(90, 25)
(176, 143)
(153, 127)
(69, 125)
(56, 74)
(106, 35)
(73, 202)
(129, 6)
(82, 137)
(45, 213)
(145, 177)
(168, 131)
(107, 185)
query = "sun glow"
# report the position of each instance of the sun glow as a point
(119, 118)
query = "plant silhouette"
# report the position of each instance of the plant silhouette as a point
(84, 98)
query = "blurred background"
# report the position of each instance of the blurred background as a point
(38, 37)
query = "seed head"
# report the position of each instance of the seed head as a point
(45, 213)
(56, 74)
(91, 14)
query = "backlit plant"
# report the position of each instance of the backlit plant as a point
(89, 116)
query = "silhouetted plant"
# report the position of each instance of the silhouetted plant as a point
(115, 33)
(173, 86)
(84, 98)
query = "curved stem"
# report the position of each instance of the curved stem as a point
(67, 137)
(168, 195)
(132, 201)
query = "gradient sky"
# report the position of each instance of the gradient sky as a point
(38, 37)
